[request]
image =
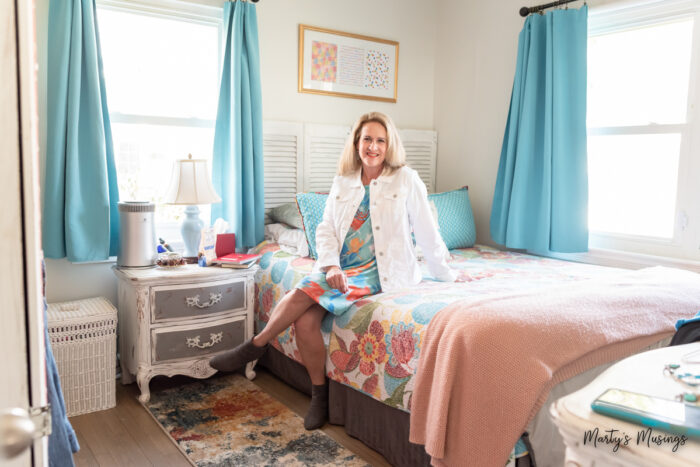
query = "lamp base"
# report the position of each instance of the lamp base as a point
(191, 231)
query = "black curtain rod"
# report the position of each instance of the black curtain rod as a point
(524, 11)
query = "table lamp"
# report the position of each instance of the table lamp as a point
(191, 185)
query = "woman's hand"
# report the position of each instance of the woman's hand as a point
(335, 278)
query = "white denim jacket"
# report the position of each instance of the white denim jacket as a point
(397, 202)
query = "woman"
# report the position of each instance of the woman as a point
(364, 247)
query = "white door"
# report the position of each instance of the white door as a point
(21, 310)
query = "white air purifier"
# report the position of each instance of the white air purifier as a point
(137, 235)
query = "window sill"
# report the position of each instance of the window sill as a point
(110, 260)
(627, 260)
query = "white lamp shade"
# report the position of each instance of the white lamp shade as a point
(191, 183)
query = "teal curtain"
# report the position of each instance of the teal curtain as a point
(237, 172)
(80, 218)
(541, 197)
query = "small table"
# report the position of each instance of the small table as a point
(641, 373)
(173, 320)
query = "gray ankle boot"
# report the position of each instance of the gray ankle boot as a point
(317, 416)
(234, 359)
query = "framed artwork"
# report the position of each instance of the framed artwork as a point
(342, 64)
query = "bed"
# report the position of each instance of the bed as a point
(374, 348)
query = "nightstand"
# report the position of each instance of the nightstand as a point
(173, 320)
(641, 373)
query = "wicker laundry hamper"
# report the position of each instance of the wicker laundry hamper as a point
(83, 336)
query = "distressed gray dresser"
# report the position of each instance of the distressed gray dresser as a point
(173, 320)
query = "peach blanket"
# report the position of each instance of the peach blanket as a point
(487, 364)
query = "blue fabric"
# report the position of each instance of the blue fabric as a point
(238, 144)
(311, 207)
(683, 322)
(80, 218)
(455, 218)
(62, 442)
(520, 449)
(541, 198)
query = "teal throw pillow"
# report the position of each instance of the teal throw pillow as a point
(311, 207)
(455, 218)
(287, 213)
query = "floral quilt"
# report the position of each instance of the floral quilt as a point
(374, 347)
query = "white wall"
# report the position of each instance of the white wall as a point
(476, 50)
(410, 22)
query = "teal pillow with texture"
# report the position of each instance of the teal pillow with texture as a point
(455, 218)
(287, 213)
(311, 207)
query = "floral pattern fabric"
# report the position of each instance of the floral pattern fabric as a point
(357, 261)
(374, 347)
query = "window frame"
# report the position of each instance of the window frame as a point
(207, 12)
(683, 249)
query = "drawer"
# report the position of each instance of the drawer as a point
(197, 340)
(187, 301)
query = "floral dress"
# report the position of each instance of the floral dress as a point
(356, 260)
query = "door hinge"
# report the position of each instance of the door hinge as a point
(41, 416)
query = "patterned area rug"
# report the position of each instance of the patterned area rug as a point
(229, 421)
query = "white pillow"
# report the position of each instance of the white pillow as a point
(292, 241)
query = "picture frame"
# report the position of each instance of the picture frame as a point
(336, 63)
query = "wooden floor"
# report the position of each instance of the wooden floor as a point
(128, 436)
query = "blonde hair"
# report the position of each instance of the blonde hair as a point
(394, 157)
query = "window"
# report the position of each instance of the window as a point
(162, 80)
(642, 163)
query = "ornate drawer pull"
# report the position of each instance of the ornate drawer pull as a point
(214, 298)
(214, 339)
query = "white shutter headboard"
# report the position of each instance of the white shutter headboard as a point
(421, 154)
(301, 157)
(323, 145)
(282, 161)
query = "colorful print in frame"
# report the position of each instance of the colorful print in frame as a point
(343, 64)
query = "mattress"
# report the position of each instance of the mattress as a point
(374, 347)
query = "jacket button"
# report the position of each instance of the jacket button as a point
(381, 253)
(337, 197)
(376, 227)
(374, 182)
(394, 195)
(384, 278)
